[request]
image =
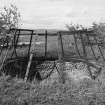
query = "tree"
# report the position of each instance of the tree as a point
(9, 18)
(99, 30)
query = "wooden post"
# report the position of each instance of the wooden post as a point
(61, 55)
(45, 43)
(28, 67)
(30, 44)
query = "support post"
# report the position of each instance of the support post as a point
(91, 47)
(16, 41)
(76, 46)
(28, 67)
(13, 43)
(30, 43)
(61, 55)
(45, 43)
(60, 47)
(83, 46)
(99, 48)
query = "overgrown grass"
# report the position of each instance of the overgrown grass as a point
(85, 92)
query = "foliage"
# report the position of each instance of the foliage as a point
(9, 18)
(74, 27)
(99, 30)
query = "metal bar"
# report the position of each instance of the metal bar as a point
(76, 46)
(17, 38)
(45, 43)
(91, 47)
(16, 41)
(60, 55)
(60, 46)
(99, 48)
(21, 29)
(28, 67)
(51, 34)
(13, 42)
(83, 46)
(77, 32)
(30, 43)
(62, 31)
(40, 34)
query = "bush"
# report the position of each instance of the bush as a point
(9, 18)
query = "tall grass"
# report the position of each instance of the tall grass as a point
(85, 92)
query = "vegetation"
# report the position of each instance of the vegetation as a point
(98, 29)
(86, 92)
(9, 18)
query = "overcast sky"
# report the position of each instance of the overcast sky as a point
(56, 13)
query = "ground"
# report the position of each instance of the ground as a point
(85, 92)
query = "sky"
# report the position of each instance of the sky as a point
(55, 14)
